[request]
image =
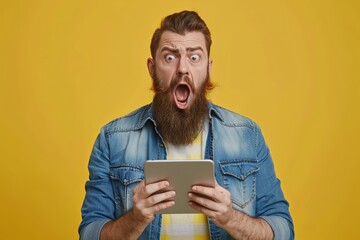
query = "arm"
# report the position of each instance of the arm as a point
(98, 210)
(272, 219)
(271, 204)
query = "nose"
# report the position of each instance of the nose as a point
(183, 68)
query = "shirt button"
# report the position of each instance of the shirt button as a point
(161, 145)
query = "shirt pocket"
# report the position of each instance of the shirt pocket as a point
(239, 177)
(124, 179)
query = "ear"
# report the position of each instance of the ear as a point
(210, 65)
(151, 67)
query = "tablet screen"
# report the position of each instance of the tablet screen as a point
(182, 175)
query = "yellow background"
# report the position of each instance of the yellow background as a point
(68, 67)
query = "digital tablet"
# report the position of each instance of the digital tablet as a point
(182, 175)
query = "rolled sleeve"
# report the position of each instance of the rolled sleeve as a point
(93, 230)
(279, 226)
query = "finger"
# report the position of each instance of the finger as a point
(204, 202)
(202, 209)
(155, 187)
(209, 192)
(161, 206)
(147, 190)
(158, 202)
(218, 193)
(150, 210)
(160, 197)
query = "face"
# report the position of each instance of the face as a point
(180, 73)
(182, 59)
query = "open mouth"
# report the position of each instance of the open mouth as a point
(181, 95)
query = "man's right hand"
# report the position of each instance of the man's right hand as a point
(146, 200)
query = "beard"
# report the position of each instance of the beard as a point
(180, 126)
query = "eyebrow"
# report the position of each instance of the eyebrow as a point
(176, 50)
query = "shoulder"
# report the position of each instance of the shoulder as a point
(230, 118)
(130, 122)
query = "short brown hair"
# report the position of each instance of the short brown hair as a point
(180, 23)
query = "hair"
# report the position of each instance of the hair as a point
(181, 23)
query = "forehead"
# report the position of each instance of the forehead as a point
(178, 41)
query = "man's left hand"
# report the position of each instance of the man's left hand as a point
(216, 203)
(213, 202)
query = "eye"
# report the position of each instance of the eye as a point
(169, 58)
(195, 58)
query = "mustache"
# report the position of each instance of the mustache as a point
(160, 88)
(175, 82)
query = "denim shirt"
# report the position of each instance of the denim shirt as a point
(242, 160)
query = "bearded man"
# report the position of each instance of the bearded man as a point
(247, 201)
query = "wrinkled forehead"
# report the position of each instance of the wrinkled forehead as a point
(189, 40)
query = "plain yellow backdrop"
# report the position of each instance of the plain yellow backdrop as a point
(69, 67)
